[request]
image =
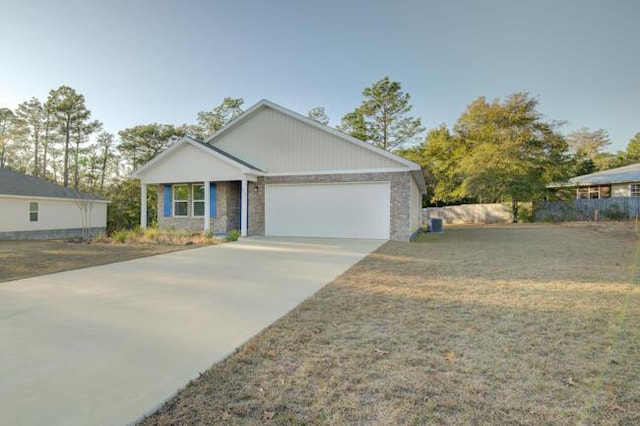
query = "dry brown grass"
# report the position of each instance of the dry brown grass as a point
(23, 259)
(494, 325)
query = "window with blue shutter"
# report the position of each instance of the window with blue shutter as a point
(167, 200)
(212, 199)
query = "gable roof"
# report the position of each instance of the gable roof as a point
(209, 149)
(414, 168)
(630, 173)
(19, 184)
(264, 103)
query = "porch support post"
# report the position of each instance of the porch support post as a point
(243, 208)
(207, 206)
(143, 205)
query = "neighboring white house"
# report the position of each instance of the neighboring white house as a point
(32, 208)
(274, 172)
(619, 182)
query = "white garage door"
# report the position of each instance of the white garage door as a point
(345, 210)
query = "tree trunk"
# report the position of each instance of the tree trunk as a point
(66, 153)
(45, 147)
(104, 167)
(514, 209)
(36, 169)
(76, 177)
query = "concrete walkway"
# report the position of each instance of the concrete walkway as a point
(108, 344)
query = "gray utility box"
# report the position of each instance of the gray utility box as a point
(436, 225)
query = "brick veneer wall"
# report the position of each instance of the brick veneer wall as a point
(400, 182)
(227, 211)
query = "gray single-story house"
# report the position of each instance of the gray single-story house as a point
(619, 182)
(33, 208)
(274, 172)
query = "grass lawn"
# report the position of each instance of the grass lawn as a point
(530, 324)
(22, 259)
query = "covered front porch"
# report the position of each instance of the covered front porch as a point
(189, 206)
(196, 192)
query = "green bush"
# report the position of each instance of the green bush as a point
(525, 212)
(119, 235)
(151, 234)
(132, 235)
(233, 235)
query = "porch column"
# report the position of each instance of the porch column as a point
(143, 205)
(207, 206)
(243, 208)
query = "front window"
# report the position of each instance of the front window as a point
(634, 190)
(33, 212)
(180, 200)
(594, 192)
(198, 200)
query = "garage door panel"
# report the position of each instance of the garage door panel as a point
(349, 210)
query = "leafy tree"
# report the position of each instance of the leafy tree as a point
(124, 210)
(105, 143)
(497, 151)
(445, 151)
(69, 112)
(318, 114)
(381, 118)
(587, 143)
(141, 143)
(513, 152)
(210, 122)
(439, 155)
(31, 118)
(354, 124)
(7, 130)
(82, 131)
(48, 135)
(633, 149)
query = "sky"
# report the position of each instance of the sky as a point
(146, 61)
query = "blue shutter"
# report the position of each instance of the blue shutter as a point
(167, 200)
(212, 199)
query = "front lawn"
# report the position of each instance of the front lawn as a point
(496, 325)
(23, 259)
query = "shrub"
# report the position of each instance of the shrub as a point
(151, 234)
(119, 235)
(233, 235)
(133, 235)
(525, 212)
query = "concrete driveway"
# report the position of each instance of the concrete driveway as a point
(108, 344)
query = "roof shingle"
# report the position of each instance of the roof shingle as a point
(15, 183)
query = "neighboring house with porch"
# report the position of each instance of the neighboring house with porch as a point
(619, 182)
(33, 208)
(274, 172)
